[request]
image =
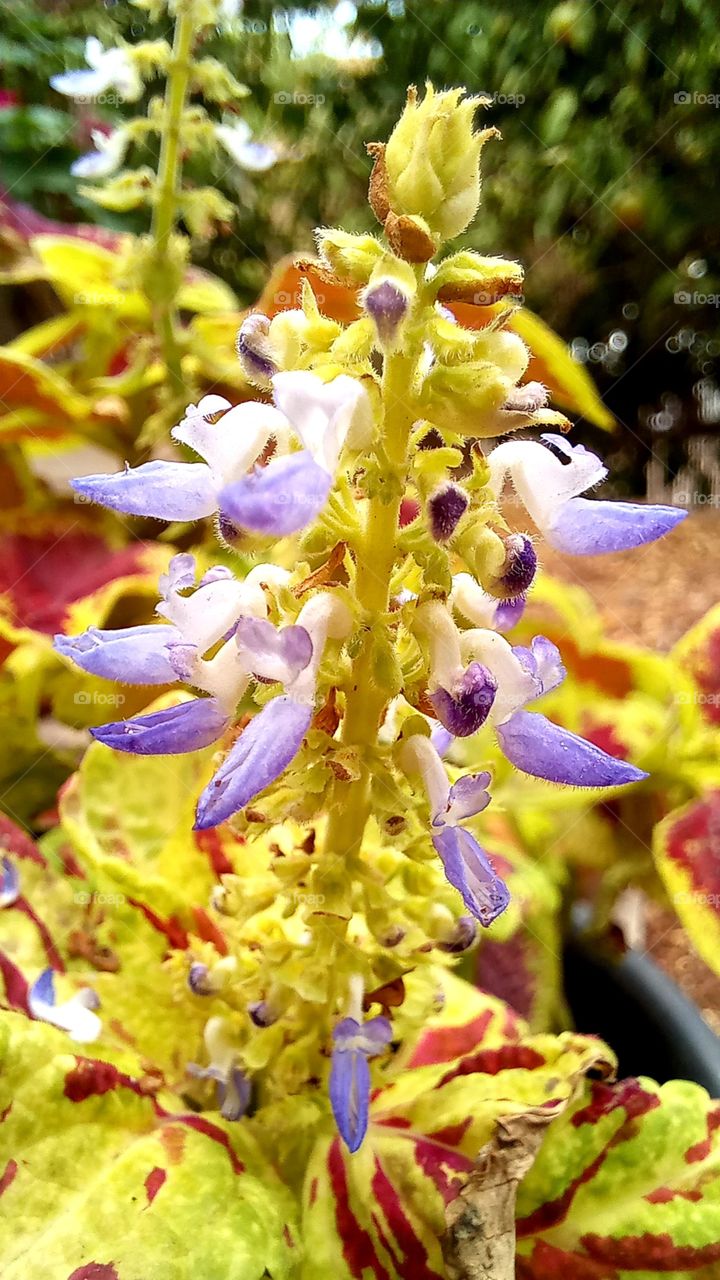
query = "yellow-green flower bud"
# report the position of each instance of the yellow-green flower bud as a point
(350, 258)
(430, 168)
(468, 277)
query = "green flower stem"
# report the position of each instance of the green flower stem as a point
(168, 184)
(376, 559)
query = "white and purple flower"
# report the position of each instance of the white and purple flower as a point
(467, 865)
(273, 500)
(232, 1085)
(354, 1042)
(549, 477)
(77, 1015)
(108, 69)
(230, 614)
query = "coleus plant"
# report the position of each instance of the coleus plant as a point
(286, 1077)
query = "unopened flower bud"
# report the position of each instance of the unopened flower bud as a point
(430, 169)
(254, 351)
(351, 258)
(446, 507)
(462, 936)
(261, 1014)
(387, 304)
(465, 707)
(199, 980)
(517, 572)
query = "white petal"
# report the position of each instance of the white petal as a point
(76, 1015)
(324, 414)
(81, 85)
(542, 481)
(231, 445)
(469, 599)
(324, 617)
(418, 755)
(516, 686)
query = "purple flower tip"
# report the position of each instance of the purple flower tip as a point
(446, 507)
(261, 1014)
(467, 707)
(519, 568)
(387, 305)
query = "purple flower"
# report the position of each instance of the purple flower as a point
(355, 1042)
(278, 499)
(253, 349)
(549, 477)
(470, 871)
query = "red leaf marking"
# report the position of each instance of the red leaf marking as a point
(52, 954)
(693, 842)
(171, 928)
(207, 929)
(13, 839)
(702, 1150)
(453, 1134)
(358, 1248)
(16, 988)
(549, 1263)
(4, 1114)
(447, 1169)
(210, 843)
(442, 1044)
(90, 1078)
(8, 1174)
(664, 1195)
(201, 1125)
(95, 1271)
(492, 1061)
(153, 1182)
(606, 1098)
(650, 1252)
(414, 1254)
(42, 575)
(313, 1191)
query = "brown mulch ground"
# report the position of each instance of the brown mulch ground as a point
(652, 596)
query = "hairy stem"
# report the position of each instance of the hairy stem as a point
(168, 185)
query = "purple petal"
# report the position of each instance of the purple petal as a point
(470, 871)
(350, 1095)
(42, 991)
(537, 746)
(170, 732)
(441, 739)
(544, 663)
(467, 797)
(280, 498)
(262, 752)
(274, 653)
(387, 305)
(508, 613)
(132, 655)
(234, 1094)
(9, 883)
(163, 490)
(464, 709)
(583, 527)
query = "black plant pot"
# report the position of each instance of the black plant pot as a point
(633, 1005)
